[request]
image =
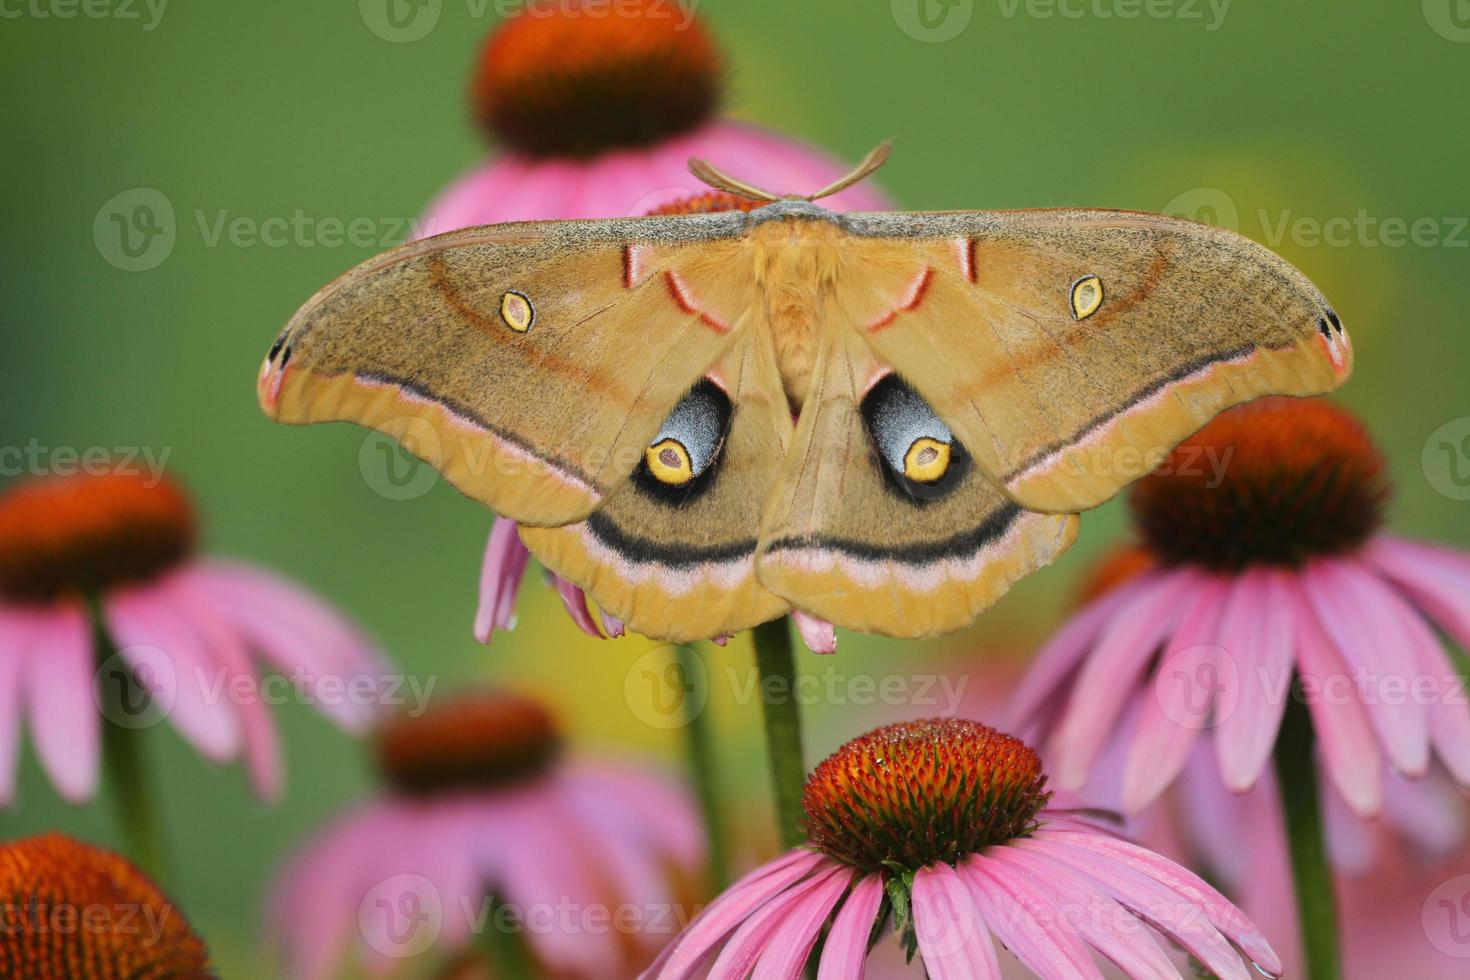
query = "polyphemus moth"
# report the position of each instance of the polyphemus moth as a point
(881, 419)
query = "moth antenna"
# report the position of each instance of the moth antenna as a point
(876, 157)
(706, 172)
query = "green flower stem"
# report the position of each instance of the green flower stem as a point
(1296, 769)
(124, 764)
(699, 745)
(505, 949)
(776, 663)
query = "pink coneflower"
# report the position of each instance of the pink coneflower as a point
(1273, 581)
(597, 114)
(944, 827)
(71, 911)
(479, 806)
(191, 632)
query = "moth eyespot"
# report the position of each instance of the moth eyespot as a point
(516, 310)
(1087, 296)
(919, 453)
(688, 444)
(926, 461)
(669, 462)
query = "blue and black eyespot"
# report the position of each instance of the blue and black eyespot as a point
(681, 459)
(920, 456)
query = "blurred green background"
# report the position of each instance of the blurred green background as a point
(1279, 118)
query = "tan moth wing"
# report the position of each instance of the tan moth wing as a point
(677, 561)
(530, 363)
(1069, 350)
(849, 538)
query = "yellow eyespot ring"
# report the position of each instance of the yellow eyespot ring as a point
(669, 462)
(517, 312)
(1087, 296)
(926, 461)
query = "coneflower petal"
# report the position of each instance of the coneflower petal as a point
(1173, 717)
(1258, 633)
(1111, 673)
(790, 945)
(954, 938)
(1350, 749)
(1365, 636)
(847, 943)
(65, 723)
(1025, 921)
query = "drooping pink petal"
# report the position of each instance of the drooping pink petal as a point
(1258, 633)
(313, 904)
(1186, 884)
(1350, 751)
(263, 757)
(1428, 812)
(631, 864)
(954, 938)
(501, 574)
(145, 620)
(575, 601)
(1054, 668)
(1111, 672)
(847, 943)
(1098, 918)
(15, 628)
(1175, 711)
(551, 858)
(757, 933)
(683, 957)
(1147, 899)
(790, 945)
(644, 806)
(1025, 921)
(612, 625)
(65, 721)
(1367, 636)
(1436, 578)
(1432, 680)
(297, 634)
(818, 634)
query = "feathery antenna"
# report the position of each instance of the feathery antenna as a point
(720, 181)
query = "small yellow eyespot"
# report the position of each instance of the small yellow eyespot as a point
(926, 461)
(516, 311)
(669, 462)
(1087, 296)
